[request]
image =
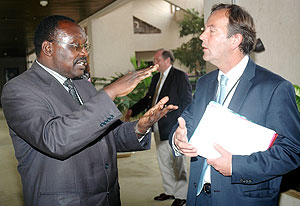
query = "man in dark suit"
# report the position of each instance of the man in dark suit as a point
(66, 134)
(252, 91)
(175, 84)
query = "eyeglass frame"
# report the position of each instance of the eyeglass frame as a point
(76, 46)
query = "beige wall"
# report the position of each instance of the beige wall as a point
(188, 4)
(113, 42)
(277, 24)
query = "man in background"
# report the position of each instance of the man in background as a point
(65, 133)
(252, 91)
(175, 84)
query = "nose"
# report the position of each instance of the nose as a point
(203, 35)
(84, 51)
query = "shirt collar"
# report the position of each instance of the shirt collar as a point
(167, 71)
(236, 72)
(56, 75)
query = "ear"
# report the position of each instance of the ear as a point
(236, 40)
(169, 60)
(47, 48)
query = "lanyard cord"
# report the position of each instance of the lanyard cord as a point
(231, 90)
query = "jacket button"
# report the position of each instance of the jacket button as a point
(195, 184)
(106, 166)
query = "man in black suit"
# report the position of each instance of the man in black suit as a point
(66, 137)
(173, 83)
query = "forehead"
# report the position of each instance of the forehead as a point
(218, 19)
(158, 54)
(67, 29)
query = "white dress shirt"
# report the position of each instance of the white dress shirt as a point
(165, 74)
(233, 80)
(59, 78)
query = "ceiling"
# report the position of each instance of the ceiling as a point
(18, 19)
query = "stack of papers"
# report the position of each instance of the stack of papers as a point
(233, 132)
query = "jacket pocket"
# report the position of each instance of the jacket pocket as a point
(59, 199)
(261, 193)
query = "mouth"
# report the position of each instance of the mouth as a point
(82, 63)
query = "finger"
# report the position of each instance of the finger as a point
(163, 101)
(220, 149)
(167, 109)
(181, 122)
(189, 152)
(148, 71)
(154, 68)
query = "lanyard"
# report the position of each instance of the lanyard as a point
(231, 90)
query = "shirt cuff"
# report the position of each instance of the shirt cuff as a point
(176, 151)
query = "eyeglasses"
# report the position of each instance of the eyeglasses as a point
(76, 46)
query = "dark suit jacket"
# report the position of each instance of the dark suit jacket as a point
(268, 100)
(66, 152)
(179, 90)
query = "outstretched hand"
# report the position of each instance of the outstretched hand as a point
(154, 114)
(125, 84)
(181, 141)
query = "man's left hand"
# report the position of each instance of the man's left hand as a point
(154, 114)
(224, 163)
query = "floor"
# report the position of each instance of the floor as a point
(139, 175)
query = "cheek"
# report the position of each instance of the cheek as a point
(218, 43)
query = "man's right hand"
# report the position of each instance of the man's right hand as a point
(181, 141)
(125, 84)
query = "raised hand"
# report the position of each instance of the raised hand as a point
(128, 82)
(181, 141)
(154, 114)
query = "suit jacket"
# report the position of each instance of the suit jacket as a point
(179, 90)
(66, 152)
(268, 100)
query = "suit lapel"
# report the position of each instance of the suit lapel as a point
(53, 87)
(243, 87)
(212, 88)
(167, 84)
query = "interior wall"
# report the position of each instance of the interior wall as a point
(277, 24)
(114, 42)
(188, 4)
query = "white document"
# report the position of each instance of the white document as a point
(233, 132)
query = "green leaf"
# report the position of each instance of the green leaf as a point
(190, 53)
(297, 91)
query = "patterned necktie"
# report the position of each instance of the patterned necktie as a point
(220, 99)
(156, 90)
(72, 90)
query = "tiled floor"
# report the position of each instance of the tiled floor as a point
(139, 174)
